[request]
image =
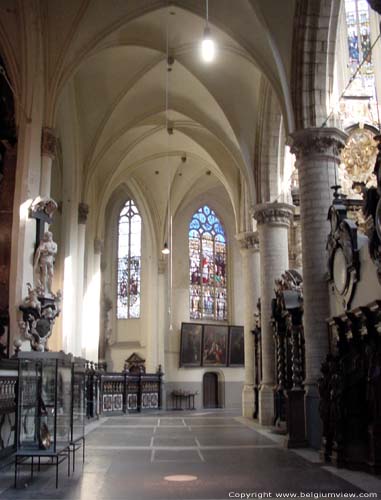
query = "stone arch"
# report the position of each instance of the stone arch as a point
(315, 29)
(270, 141)
(108, 267)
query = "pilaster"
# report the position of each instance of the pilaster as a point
(48, 154)
(249, 244)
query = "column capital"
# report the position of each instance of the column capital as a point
(248, 241)
(48, 142)
(98, 246)
(277, 214)
(83, 212)
(161, 266)
(317, 141)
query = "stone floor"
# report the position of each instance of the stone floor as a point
(131, 457)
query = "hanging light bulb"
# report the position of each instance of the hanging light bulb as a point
(165, 249)
(208, 46)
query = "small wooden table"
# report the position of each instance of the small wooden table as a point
(178, 397)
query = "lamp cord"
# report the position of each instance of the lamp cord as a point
(352, 78)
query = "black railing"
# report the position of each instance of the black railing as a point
(8, 394)
(116, 393)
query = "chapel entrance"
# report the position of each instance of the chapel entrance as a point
(210, 390)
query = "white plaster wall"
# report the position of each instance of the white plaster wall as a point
(217, 200)
(131, 335)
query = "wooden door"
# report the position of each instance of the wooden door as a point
(210, 390)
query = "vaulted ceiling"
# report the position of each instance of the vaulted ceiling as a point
(107, 61)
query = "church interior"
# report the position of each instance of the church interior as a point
(190, 249)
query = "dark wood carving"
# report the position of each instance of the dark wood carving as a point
(350, 390)
(135, 364)
(343, 253)
(287, 315)
(372, 210)
(257, 358)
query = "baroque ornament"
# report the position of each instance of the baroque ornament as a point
(372, 210)
(343, 254)
(358, 157)
(43, 205)
(39, 315)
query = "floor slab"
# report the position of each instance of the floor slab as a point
(130, 457)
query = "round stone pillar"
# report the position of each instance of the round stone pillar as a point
(251, 285)
(48, 153)
(83, 211)
(273, 221)
(317, 156)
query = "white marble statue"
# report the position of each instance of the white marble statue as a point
(44, 264)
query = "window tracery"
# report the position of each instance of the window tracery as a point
(129, 262)
(359, 102)
(207, 266)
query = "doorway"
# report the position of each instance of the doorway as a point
(210, 390)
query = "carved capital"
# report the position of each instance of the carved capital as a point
(162, 266)
(83, 212)
(248, 241)
(98, 246)
(317, 142)
(48, 143)
(279, 214)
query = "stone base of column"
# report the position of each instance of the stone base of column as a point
(266, 405)
(313, 423)
(248, 401)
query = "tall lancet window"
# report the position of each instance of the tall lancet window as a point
(207, 266)
(359, 103)
(129, 261)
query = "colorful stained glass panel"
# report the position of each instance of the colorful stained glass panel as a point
(129, 262)
(207, 266)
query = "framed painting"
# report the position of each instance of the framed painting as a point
(236, 346)
(215, 345)
(190, 345)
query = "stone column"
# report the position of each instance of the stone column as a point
(273, 221)
(48, 153)
(83, 211)
(317, 156)
(251, 278)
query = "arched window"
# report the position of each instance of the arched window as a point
(359, 102)
(129, 261)
(207, 266)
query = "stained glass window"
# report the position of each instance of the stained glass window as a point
(359, 103)
(129, 262)
(207, 266)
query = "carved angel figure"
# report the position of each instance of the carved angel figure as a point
(44, 263)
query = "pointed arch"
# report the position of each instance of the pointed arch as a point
(207, 266)
(129, 261)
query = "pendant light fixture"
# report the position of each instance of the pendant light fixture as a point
(208, 46)
(170, 60)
